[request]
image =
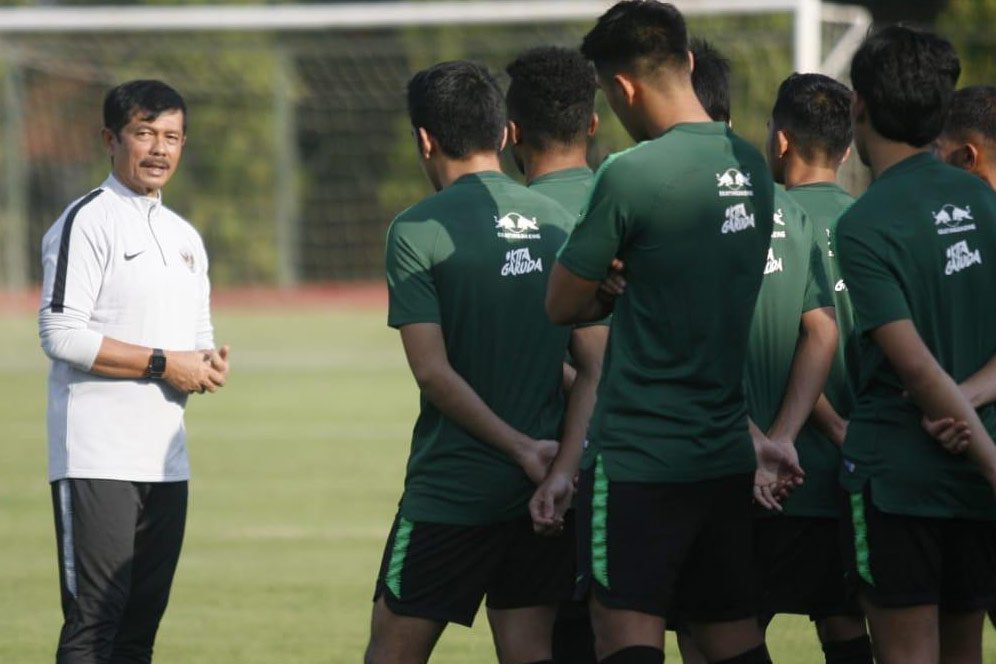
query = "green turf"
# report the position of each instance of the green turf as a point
(297, 470)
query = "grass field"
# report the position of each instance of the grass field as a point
(297, 470)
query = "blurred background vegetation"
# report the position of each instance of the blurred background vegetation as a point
(299, 150)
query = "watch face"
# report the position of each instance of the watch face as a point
(157, 364)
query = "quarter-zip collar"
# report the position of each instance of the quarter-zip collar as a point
(148, 206)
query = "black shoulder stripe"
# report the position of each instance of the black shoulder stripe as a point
(59, 289)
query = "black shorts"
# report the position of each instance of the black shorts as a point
(441, 572)
(800, 568)
(678, 551)
(898, 560)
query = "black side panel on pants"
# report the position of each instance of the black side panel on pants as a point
(118, 545)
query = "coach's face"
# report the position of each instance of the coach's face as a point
(147, 151)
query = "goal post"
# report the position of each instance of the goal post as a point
(299, 152)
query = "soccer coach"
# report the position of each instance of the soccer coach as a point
(124, 279)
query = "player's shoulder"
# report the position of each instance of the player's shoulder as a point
(84, 213)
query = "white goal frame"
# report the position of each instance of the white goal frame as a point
(807, 42)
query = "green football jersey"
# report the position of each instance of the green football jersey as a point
(475, 259)
(690, 214)
(920, 245)
(794, 283)
(824, 203)
(571, 187)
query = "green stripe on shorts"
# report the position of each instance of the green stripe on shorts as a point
(402, 537)
(861, 554)
(599, 515)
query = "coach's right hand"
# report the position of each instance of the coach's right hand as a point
(193, 371)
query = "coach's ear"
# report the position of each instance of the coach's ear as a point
(513, 133)
(593, 125)
(425, 147)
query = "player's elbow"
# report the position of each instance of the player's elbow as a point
(429, 375)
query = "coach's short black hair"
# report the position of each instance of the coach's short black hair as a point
(815, 111)
(972, 111)
(551, 96)
(711, 79)
(906, 78)
(149, 97)
(460, 105)
(638, 35)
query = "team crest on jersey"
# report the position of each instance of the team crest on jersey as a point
(733, 182)
(188, 260)
(519, 261)
(961, 257)
(950, 219)
(773, 264)
(737, 219)
(514, 226)
(779, 219)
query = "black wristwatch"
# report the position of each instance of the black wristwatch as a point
(157, 364)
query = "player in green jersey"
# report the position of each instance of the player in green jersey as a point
(664, 514)
(809, 134)
(969, 137)
(918, 253)
(467, 271)
(551, 112)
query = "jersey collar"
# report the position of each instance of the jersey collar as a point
(144, 204)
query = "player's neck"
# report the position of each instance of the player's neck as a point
(883, 154)
(798, 173)
(670, 107)
(539, 163)
(451, 170)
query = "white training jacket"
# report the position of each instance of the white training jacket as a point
(120, 265)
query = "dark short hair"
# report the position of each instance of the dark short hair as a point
(551, 95)
(972, 111)
(460, 105)
(149, 97)
(815, 111)
(639, 35)
(711, 79)
(906, 78)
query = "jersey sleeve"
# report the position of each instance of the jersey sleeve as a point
(876, 295)
(205, 330)
(818, 293)
(409, 262)
(602, 229)
(74, 253)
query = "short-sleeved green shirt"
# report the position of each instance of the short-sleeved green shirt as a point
(571, 187)
(794, 283)
(690, 214)
(920, 245)
(824, 203)
(475, 259)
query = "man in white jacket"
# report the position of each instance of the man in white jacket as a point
(125, 319)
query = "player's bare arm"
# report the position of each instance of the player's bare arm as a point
(980, 390)
(457, 400)
(808, 375)
(829, 421)
(553, 497)
(572, 299)
(933, 390)
(778, 470)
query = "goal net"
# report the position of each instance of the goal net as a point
(299, 150)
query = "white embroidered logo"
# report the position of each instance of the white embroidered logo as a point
(733, 182)
(961, 257)
(518, 261)
(737, 219)
(840, 286)
(515, 226)
(950, 217)
(773, 264)
(779, 219)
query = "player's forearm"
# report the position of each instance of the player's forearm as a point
(937, 395)
(829, 421)
(980, 387)
(807, 376)
(581, 399)
(458, 401)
